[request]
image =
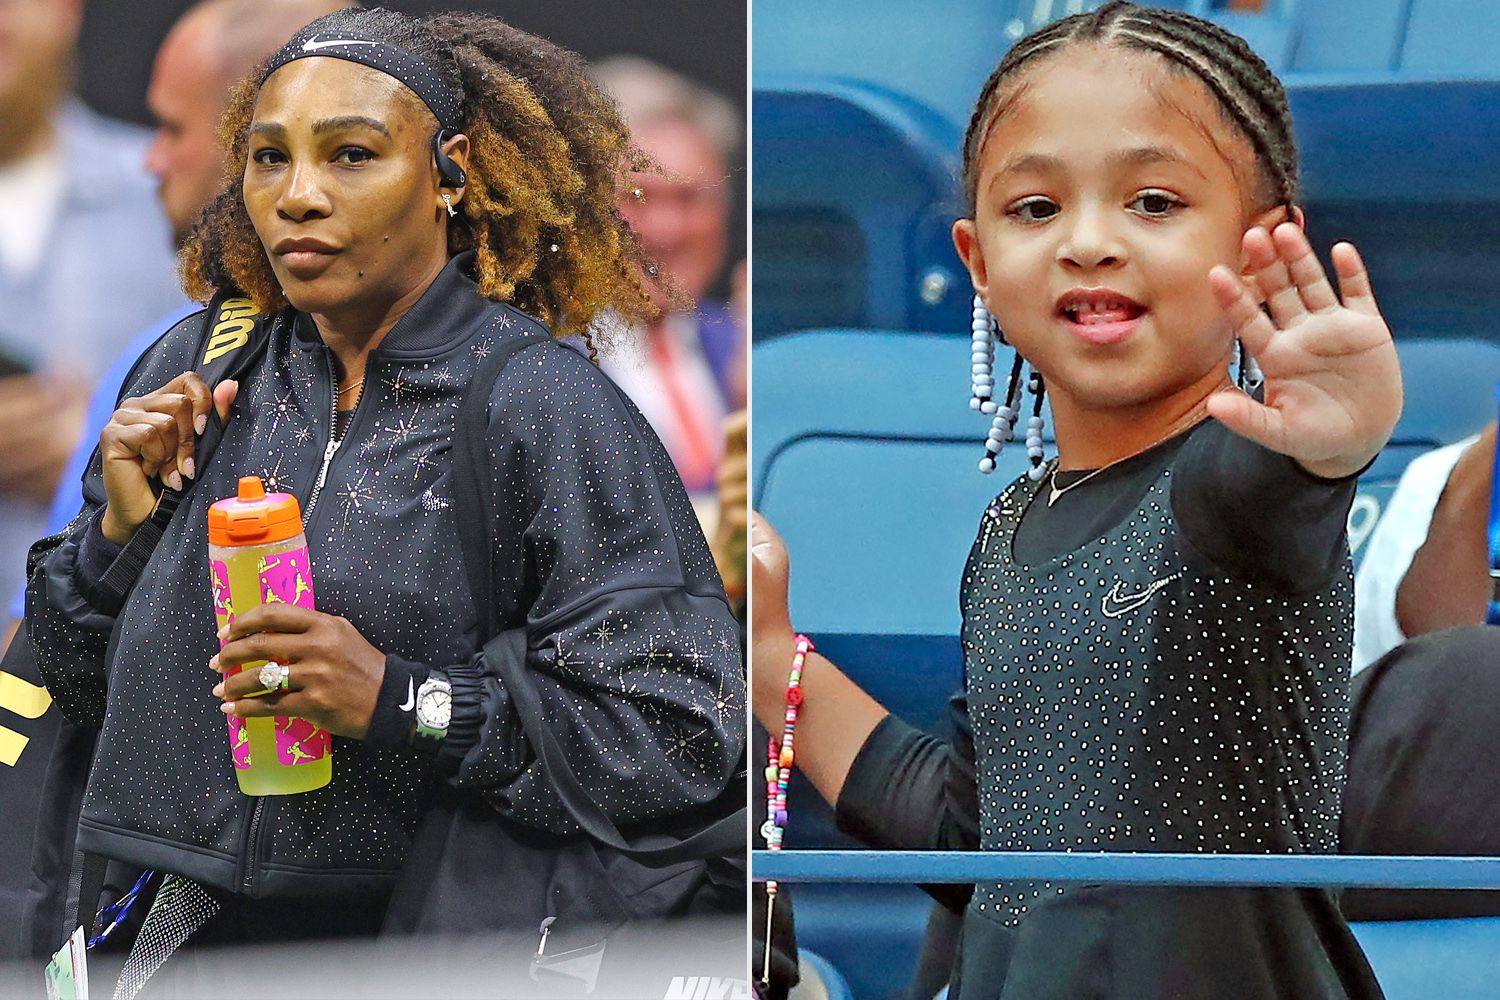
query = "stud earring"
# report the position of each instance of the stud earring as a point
(448, 204)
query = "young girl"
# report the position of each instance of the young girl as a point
(1156, 624)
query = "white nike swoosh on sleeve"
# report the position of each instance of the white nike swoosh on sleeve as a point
(411, 695)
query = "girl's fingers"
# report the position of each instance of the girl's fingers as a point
(1251, 326)
(1248, 418)
(1272, 278)
(1303, 266)
(1354, 280)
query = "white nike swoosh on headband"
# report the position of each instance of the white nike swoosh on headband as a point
(312, 45)
(411, 695)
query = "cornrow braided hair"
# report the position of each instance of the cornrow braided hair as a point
(548, 156)
(1250, 97)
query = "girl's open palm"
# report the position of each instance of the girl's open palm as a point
(1333, 384)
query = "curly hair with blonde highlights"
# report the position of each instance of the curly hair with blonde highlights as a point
(549, 154)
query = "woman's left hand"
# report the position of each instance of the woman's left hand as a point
(334, 678)
(1333, 384)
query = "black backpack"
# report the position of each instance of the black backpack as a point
(41, 876)
(555, 901)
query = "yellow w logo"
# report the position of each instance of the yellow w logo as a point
(25, 699)
(232, 331)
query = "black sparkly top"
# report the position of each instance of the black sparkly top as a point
(1159, 662)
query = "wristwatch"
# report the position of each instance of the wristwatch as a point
(434, 711)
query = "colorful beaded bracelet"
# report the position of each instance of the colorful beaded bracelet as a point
(780, 755)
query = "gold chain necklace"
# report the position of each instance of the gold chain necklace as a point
(351, 386)
(1055, 493)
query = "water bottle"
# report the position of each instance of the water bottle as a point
(257, 554)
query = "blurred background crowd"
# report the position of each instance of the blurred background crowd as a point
(108, 151)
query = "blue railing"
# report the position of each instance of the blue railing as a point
(1333, 871)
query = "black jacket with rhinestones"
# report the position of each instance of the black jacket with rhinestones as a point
(631, 640)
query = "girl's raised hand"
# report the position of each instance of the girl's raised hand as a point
(1333, 384)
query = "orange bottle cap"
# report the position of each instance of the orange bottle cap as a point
(254, 517)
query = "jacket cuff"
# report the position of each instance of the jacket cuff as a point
(468, 712)
(107, 590)
(95, 552)
(395, 706)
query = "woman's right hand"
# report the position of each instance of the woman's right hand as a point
(150, 438)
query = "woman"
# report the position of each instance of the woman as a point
(407, 193)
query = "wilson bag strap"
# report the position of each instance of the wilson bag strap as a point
(233, 341)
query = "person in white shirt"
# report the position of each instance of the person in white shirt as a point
(1427, 564)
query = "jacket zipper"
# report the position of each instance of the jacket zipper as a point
(257, 813)
(317, 490)
(252, 846)
(333, 443)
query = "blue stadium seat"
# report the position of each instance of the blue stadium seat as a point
(1428, 225)
(889, 43)
(1335, 35)
(854, 198)
(1425, 959)
(860, 436)
(1453, 37)
(1271, 32)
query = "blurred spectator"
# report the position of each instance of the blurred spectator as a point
(1427, 566)
(207, 51)
(195, 67)
(728, 541)
(84, 258)
(688, 371)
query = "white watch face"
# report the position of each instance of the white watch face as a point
(435, 708)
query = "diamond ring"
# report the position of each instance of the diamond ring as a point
(275, 676)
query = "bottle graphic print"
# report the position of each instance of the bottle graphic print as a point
(257, 554)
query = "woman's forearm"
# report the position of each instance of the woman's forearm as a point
(836, 718)
(1448, 581)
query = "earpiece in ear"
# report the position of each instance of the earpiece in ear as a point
(451, 174)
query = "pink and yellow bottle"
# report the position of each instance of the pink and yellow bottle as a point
(257, 554)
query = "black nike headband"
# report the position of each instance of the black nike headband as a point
(416, 73)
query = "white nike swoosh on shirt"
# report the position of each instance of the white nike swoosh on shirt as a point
(411, 695)
(1126, 603)
(313, 45)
